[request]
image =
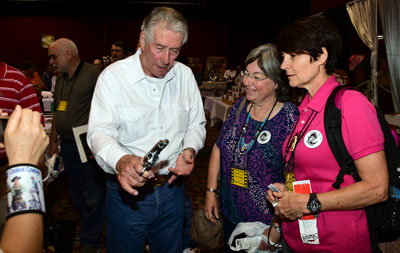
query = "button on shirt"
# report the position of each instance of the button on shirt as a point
(131, 112)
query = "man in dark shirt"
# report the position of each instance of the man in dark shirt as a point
(72, 100)
(118, 51)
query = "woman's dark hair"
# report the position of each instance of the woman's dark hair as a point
(308, 36)
(269, 61)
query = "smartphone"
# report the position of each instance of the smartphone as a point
(3, 124)
(273, 188)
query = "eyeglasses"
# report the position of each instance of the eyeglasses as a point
(256, 77)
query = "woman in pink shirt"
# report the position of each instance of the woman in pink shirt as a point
(310, 47)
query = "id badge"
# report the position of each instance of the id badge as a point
(239, 177)
(307, 224)
(289, 179)
(62, 106)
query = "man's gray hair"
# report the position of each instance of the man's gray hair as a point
(171, 20)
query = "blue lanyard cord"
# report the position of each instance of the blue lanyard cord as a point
(242, 146)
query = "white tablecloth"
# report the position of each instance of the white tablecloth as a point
(217, 109)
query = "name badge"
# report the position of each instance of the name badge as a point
(239, 177)
(62, 106)
(307, 224)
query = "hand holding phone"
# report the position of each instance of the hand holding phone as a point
(273, 188)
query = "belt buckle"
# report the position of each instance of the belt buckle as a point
(159, 181)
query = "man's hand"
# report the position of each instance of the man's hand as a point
(184, 165)
(129, 167)
(24, 137)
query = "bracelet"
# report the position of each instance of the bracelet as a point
(25, 190)
(211, 190)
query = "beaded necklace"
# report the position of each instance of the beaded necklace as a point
(244, 147)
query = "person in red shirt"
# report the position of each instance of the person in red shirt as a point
(16, 89)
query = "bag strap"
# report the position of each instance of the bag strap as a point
(240, 108)
(333, 130)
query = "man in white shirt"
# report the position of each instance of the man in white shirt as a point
(138, 101)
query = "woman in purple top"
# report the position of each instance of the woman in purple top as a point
(247, 156)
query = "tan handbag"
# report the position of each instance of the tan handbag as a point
(207, 234)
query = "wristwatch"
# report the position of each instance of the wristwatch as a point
(313, 204)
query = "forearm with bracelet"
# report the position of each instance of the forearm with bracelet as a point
(24, 190)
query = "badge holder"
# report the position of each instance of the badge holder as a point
(307, 224)
(239, 177)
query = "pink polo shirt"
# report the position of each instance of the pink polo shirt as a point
(339, 231)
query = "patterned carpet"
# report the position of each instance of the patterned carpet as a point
(62, 214)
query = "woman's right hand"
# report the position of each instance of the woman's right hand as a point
(211, 206)
(24, 137)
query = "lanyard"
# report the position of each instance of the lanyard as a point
(244, 147)
(241, 140)
(293, 141)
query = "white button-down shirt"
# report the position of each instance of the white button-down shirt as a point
(131, 112)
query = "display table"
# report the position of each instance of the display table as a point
(217, 108)
(47, 104)
(48, 119)
(211, 88)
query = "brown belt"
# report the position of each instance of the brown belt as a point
(158, 181)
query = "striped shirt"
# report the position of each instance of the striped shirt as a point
(16, 89)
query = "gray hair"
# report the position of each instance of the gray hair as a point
(171, 19)
(269, 61)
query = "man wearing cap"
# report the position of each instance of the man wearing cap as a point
(18, 203)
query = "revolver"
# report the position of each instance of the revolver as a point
(152, 156)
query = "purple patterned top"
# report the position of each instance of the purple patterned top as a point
(263, 163)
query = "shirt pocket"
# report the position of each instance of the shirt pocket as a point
(132, 126)
(181, 116)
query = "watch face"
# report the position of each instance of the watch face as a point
(313, 204)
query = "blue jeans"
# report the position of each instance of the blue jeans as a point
(187, 239)
(86, 183)
(156, 214)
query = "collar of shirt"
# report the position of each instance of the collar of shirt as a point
(139, 74)
(317, 103)
(76, 72)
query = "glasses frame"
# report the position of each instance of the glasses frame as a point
(246, 75)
